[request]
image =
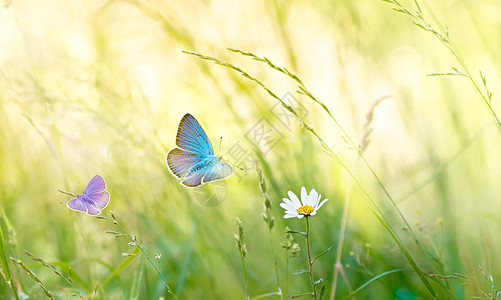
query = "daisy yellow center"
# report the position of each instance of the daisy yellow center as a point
(305, 210)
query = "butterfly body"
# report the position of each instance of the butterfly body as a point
(193, 161)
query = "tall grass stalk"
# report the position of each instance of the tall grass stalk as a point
(374, 209)
(51, 267)
(242, 249)
(34, 277)
(420, 21)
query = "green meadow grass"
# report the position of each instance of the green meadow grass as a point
(394, 120)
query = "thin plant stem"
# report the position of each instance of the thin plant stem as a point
(245, 277)
(334, 280)
(310, 265)
(337, 265)
(276, 264)
(345, 278)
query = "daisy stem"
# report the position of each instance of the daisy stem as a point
(310, 265)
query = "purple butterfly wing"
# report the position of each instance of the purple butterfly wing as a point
(192, 138)
(93, 210)
(180, 161)
(77, 204)
(101, 199)
(83, 204)
(95, 185)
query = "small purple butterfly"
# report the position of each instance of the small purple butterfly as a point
(94, 198)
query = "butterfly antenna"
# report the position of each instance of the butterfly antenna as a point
(220, 143)
(235, 166)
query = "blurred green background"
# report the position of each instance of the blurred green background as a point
(99, 87)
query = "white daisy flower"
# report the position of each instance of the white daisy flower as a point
(308, 206)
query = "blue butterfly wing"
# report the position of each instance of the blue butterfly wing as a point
(192, 138)
(180, 161)
(195, 179)
(218, 171)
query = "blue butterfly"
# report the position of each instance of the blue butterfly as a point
(194, 162)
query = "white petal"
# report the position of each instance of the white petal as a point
(300, 216)
(304, 196)
(312, 199)
(287, 204)
(288, 208)
(294, 199)
(294, 205)
(313, 213)
(322, 203)
(318, 199)
(289, 216)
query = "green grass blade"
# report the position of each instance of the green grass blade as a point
(5, 265)
(375, 278)
(185, 266)
(120, 267)
(409, 257)
(73, 276)
(138, 279)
